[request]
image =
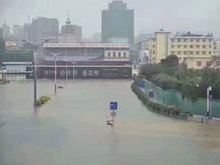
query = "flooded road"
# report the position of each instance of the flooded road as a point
(71, 128)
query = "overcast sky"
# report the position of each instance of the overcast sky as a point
(150, 15)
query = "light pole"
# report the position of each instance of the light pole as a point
(55, 71)
(35, 69)
(208, 101)
(35, 78)
(66, 73)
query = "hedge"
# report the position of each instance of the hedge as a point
(167, 110)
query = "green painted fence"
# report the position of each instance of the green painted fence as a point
(174, 98)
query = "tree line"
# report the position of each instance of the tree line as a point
(170, 74)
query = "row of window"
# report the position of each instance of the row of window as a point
(117, 54)
(190, 52)
(208, 63)
(190, 40)
(192, 46)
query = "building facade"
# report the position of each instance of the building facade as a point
(17, 32)
(87, 51)
(118, 23)
(43, 28)
(70, 32)
(84, 61)
(2, 46)
(6, 31)
(195, 50)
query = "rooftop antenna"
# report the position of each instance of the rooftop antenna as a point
(68, 18)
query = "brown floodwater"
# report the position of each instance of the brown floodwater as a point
(71, 128)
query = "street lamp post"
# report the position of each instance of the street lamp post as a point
(208, 101)
(35, 78)
(55, 75)
(35, 69)
(66, 73)
(55, 71)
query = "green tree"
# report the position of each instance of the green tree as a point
(171, 61)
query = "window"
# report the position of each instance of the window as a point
(197, 40)
(191, 40)
(153, 52)
(119, 54)
(153, 46)
(197, 52)
(203, 46)
(178, 46)
(124, 54)
(179, 52)
(191, 52)
(197, 46)
(210, 52)
(218, 63)
(204, 52)
(114, 54)
(191, 46)
(172, 53)
(199, 63)
(109, 54)
(172, 46)
(178, 40)
(172, 40)
(185, 40)
(210, 46)
(204, 40)
(185, 52)
(210, 40)
(208, 63)
(185, 46)
(154, 39)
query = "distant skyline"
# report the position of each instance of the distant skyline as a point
(150, 15)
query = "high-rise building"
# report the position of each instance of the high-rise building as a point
(118, 23)
(196, 50)
(70, 32)
(2, 45)
(17, 32)
(27, 32)
(43, 28)
(6, 31)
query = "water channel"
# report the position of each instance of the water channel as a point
(71, 128)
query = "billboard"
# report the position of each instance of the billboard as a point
(82, 72)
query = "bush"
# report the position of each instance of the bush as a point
(43, 100)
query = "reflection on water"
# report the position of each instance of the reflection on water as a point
(71, 128)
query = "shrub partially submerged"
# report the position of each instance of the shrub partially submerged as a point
(43, 100)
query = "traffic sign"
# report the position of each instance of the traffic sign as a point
(113, 106)
(113, 114)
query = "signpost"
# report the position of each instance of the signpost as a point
(113, 108)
